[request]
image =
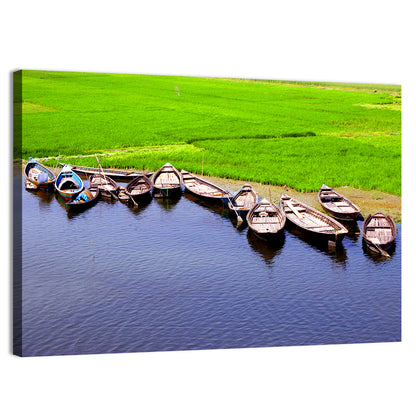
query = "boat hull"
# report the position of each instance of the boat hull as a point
(40, 170)
(342, 217)
(204, 189)
(379, 232)
(114, 174)
(167, 192)
(337, 205)
(94, 194)
(43, 186)
(242, 210)
(69, 196)
(312, 222)
(213, 199)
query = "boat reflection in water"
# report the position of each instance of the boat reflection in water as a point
(353, 231)
(138, 209)
(266, 250)
(45, 196)
(168, 203)
(216, 208)
(336, 253)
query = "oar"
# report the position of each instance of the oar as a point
(132, 199)
(239, 219)
(380, 250)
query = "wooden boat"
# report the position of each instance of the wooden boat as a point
(379, 231)
(85, 199)
(167, 180)
(243, 200)
(68, 184)
(38, 175)
(112, 173)
(107, 186)
(204, 189)
(266, 219)
(337, 205)
(139, 188)
(311, 220)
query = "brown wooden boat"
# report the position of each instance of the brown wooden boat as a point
(85, 199)
(107, 186)
(167, 180)
(203, 188)
(119, 175)
(243, 200)
(311, 220)
(266, 219)
(139, 188)
(337, 205)
(379, 231)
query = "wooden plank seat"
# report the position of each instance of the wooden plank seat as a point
(322, 228)
(374, 240)
(265, 220)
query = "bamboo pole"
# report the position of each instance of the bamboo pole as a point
(102, 172)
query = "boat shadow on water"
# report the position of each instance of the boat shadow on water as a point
(218, 208)
(266, 250)
(376, 257)
(337, 253)
(353, 231)
(137, 209)
(167, 203)
(44, 196)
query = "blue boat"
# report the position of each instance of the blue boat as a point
(85, 199)
(38, 174)
(68, 184)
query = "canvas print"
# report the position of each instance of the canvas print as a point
(162, 213)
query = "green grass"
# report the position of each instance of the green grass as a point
(298, 134)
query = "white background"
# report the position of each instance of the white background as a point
(354, 41)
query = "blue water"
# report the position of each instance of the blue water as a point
(179, 275)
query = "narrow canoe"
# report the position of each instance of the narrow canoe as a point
(379, 231)
(243, 200)
(337, 205)
(167, 180)
(107, 186)
(203, 188)
(68, 184)
(112, 173)
(266, 219)
(85, 199)
(139, 188)
(38, 175)
(311, 220)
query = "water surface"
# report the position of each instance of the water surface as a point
(178, 275)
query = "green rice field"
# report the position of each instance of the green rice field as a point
(278, 132)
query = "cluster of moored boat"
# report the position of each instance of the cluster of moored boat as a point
(265, 218)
